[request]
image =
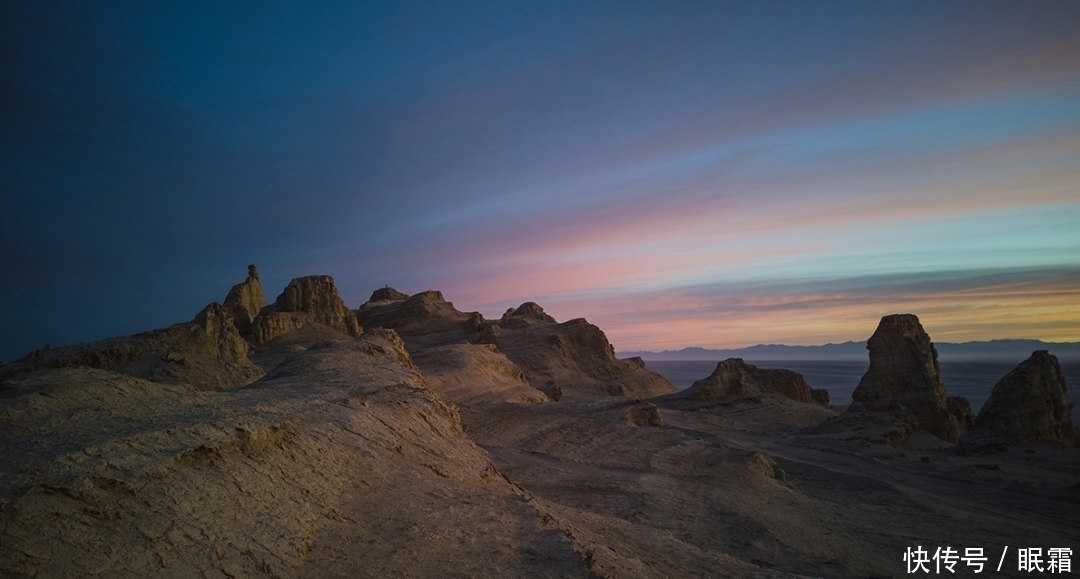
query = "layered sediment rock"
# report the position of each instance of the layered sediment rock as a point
(904, 378)
(306, 299)
(245, 301)
(1029, 404)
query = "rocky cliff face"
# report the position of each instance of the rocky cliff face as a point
(245, 301)
(904, 378)
(306, 299)
(734, 378)
(1029, 404)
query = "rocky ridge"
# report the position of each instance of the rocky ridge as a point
(207, 352)
(572, 359)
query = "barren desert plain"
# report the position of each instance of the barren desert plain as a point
(406, 438)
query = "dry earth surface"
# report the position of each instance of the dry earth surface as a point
(269, 441)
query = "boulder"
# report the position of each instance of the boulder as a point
(1029, 404)
(306, 299)
(245, 301)
(904, 378)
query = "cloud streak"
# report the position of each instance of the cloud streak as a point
(613, 161)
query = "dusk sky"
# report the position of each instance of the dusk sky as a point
(681, 174)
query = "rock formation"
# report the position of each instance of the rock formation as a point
(573, 358)
(426, 309)
(734, 378)
(529, 310)
(306, 299)
(438, 456)
(207, 352)
(387, 294)
(1029, 404)
(245, 301)
(904, 378)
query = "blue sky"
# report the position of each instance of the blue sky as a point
(680, 173)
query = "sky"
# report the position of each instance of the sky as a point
(714, 174)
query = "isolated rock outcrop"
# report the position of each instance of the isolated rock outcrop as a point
(306, 299)
(245, 301)
(1029, 404)
(904, 378)
(733, 378)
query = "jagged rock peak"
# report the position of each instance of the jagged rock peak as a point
(1029, 404)
(245, 301)
(904, 377)
(389, 294)
(734, 377)
(532, 310)
(313, 298)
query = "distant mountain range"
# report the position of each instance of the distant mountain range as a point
(993, 350)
